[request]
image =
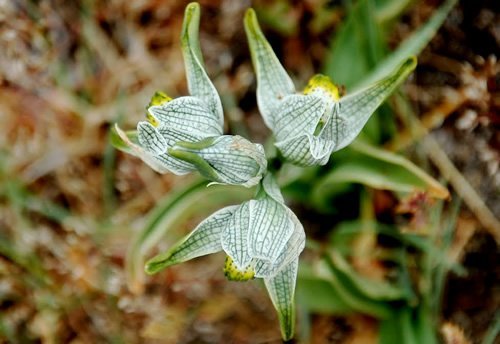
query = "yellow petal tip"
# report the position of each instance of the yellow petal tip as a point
(322, 83)
(232, 272)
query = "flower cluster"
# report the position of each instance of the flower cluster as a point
(185, 134)
(310, 126)
(261, 237)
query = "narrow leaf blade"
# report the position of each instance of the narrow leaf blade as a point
(411, 46)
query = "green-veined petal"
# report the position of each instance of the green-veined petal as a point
(129, 143)
(187, 114)
(235, 237)
(272, 189)
(172, 136)
(150, 139)
(171, 164)
(297, 150)
(281, 289)
(199, 83)
(225, 159)
(203, 240)
(357, 108)
(294, 246)
(298, 115)
(273, 82)
(270, 229)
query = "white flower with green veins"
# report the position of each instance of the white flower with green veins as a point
(185, 134)
(262, 238)
(309, 127)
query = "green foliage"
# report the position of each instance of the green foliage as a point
(357, 47)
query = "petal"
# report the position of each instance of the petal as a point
(273, 83)
(233, 273)
(128, 143)
(187, 114)
(357, 108)
(294, 246)
(171, 164)
(163, 163)
(199, 84)
(298, 115)
(308, 128)
(225, 159)
(297, 150)
(150, 139)
(203, 240)
(281, 289)
(322, 145)
(235, 237)
(172, 136)
(272, 189)
(270, 229)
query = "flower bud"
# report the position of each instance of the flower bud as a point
(224, 159)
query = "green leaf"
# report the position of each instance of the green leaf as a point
(409, 325)
(170, 213)
(432, 186)
(318, 295)
(387, 10)
(376, 290)
(355, 50)
(273, 82)
(353, 297)
(281, 289)
(357, 47)
(411, 46)
(378, 169)
(199, 84)
(397, 328)
(493, 331)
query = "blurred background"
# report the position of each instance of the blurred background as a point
(389, 258)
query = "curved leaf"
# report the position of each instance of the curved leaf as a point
(378, 169)
(411, 46)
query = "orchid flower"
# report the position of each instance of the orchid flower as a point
(262, 238)
(185, 134)
(309, 127)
